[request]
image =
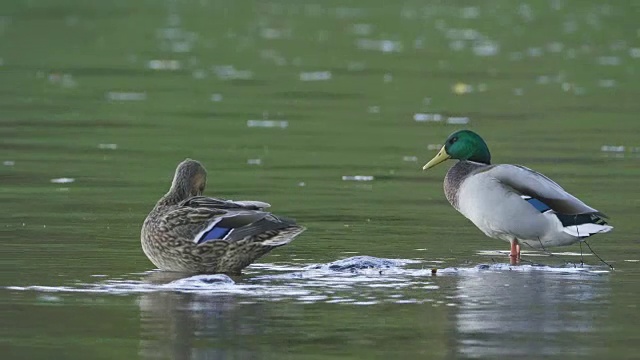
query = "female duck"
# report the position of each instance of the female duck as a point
(511, 202)
(187, 232)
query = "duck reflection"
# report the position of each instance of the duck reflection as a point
(533, 313)
(196, 326)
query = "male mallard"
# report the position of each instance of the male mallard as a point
(511, 202)
(188, 232)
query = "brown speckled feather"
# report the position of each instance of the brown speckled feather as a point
(171, 231)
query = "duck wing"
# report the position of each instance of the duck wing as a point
(223, 220)
(217, 203)
(534, 184)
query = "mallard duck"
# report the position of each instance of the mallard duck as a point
(188, 232)
(511, 202)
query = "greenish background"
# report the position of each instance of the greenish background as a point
(563, 83)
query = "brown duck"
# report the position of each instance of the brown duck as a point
(188, 232)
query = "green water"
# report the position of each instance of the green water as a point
(552, 83)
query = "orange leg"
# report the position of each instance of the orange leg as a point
(514, 254)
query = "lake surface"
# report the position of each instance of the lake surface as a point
(287, 102)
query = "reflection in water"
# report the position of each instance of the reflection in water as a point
(498, 310)
(196, 326)
(525, 313)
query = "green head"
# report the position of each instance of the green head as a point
(462, 145)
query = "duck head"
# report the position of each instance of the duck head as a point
(462, 145)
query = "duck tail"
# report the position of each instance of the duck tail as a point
(584, 225)
(284, 236)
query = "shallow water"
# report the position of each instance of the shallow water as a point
(327, 111)
(389, 306)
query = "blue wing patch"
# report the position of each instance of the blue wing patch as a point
(216, 233)
(539, 205)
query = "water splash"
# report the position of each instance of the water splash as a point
(358, 280)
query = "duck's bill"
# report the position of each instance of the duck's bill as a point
(442, 156)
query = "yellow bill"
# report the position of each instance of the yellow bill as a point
(442, 156)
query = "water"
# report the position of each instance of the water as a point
(109, 96)
(391, 306)
(481, 307)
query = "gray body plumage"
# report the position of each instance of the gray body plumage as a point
(454, 178)
(494, 197)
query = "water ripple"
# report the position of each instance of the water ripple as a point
(359, 280)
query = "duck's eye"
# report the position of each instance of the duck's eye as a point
(452, 140)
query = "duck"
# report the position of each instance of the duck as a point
(512, 202)
(191, 233)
